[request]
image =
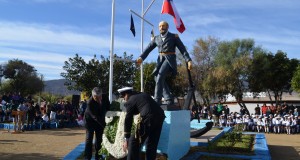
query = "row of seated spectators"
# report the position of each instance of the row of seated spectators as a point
(287, 123)
(280, 118)
(61, 113)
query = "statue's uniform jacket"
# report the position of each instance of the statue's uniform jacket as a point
(169, 45)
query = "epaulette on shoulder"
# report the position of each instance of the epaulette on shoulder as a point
(176, 35)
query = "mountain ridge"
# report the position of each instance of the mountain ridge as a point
(57, 87)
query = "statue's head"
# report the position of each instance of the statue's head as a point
(163, 27)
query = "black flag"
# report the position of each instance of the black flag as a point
(132, 26)
(152, 34)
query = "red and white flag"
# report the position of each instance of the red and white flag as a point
(168, 7)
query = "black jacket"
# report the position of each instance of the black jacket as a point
(94, 115)
(144, 104)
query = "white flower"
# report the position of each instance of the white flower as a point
(116, 149)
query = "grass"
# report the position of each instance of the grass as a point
(231, 143)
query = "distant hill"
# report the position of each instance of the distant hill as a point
(57, 87)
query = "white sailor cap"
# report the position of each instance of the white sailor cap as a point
(124, 90)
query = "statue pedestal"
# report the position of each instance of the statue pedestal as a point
(172, 107)
(175, 135)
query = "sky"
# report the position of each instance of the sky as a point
(46, 33)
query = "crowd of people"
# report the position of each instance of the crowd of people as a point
(281, 118)
(62, 112)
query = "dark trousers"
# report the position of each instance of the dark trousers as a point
(150, 138)
(30, 123)
(89, 141)
(161, 86)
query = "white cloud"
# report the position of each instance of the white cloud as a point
(48, 46)
(37, 34)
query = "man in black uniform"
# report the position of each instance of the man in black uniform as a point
(149, 129)
(166, 43)
(94, 117)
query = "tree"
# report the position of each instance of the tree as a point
(83, 76)
(149, 82)
(22, 78)
(179, 84)
(231, 65)
(272, 74)
(296, 80)
(204, 52)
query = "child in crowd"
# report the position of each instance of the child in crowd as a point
(259, 124)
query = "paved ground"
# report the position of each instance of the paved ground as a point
(284, 146)
(56, 143)
(36, 145)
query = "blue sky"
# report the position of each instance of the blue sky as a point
(45, 33)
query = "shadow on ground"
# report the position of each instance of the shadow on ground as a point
(31, 156)
(11, 141)
(56, 132)
(286, 152)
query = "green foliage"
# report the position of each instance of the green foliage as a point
(238, 127)
(111, 129)
(84, 76)
(68, 98)
(232, 142)
(296, 80)
(203, 53)
(267, 68)
(179, 84)
(231, 138)
(211, 145)
(48, 97)
(115, 106)
(149, 82)
(232, 62)
(21, 77)
(110, 132)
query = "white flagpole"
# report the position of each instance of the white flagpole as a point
(142, 46)
(111, 51)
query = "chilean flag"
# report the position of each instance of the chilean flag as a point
(168, 7)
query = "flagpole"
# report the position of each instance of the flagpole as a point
(141, 17)
(148, 8)
(142, 36)
(142, 40)
(111, 64)
(142, 46)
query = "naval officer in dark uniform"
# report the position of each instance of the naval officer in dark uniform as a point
(149, 129)
(166, 61)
